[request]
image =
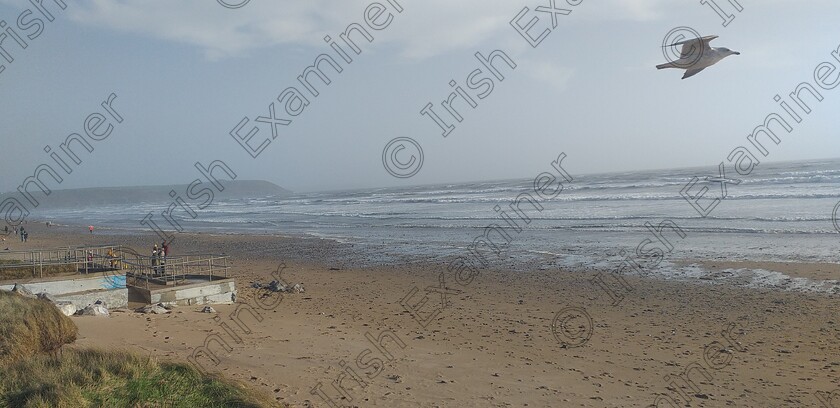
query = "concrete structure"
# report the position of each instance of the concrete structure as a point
(201, 292)
(81, 290)
(122, 274)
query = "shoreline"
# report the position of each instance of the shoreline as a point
(773, 273)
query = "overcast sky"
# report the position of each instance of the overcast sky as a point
(187, 72)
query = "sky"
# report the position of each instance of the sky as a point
(186, 73)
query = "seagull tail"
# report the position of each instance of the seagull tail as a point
(665, 65)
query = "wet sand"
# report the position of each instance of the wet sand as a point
(493, 344)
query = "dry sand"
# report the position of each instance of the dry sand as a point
(493, 346)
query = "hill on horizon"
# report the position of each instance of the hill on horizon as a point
(79, 197)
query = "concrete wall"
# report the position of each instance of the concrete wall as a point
(70, 284)
(82, 290)
(216, 292)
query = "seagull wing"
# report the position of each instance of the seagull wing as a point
(695, 47)
(692, 72)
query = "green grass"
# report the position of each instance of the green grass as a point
(35, 371)
(96, 378)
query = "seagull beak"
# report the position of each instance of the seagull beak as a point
(736, 52)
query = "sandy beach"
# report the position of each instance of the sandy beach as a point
(493, 345)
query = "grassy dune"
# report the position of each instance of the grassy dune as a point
(96, 378)
(38, 372)
(31, 326)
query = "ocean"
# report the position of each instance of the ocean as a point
(782, 212)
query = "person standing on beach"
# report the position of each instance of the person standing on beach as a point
(22, 231)
(112, 258)
(164, 251)
(25, 236)
(155, 259)
(90, 228)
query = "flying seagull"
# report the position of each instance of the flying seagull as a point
(696, 55)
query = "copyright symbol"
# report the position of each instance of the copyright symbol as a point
(673, 50)
(225, 4)
(572, 327)
(402, 164)
(834, 216)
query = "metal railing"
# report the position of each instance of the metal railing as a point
(143, 270)
(79, 259)
(140, 270)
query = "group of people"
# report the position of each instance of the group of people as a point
(159, 255)
(24, 235)
(19, 231)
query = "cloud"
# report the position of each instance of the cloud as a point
(215, 30)
(433, 27)
(426, 29)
